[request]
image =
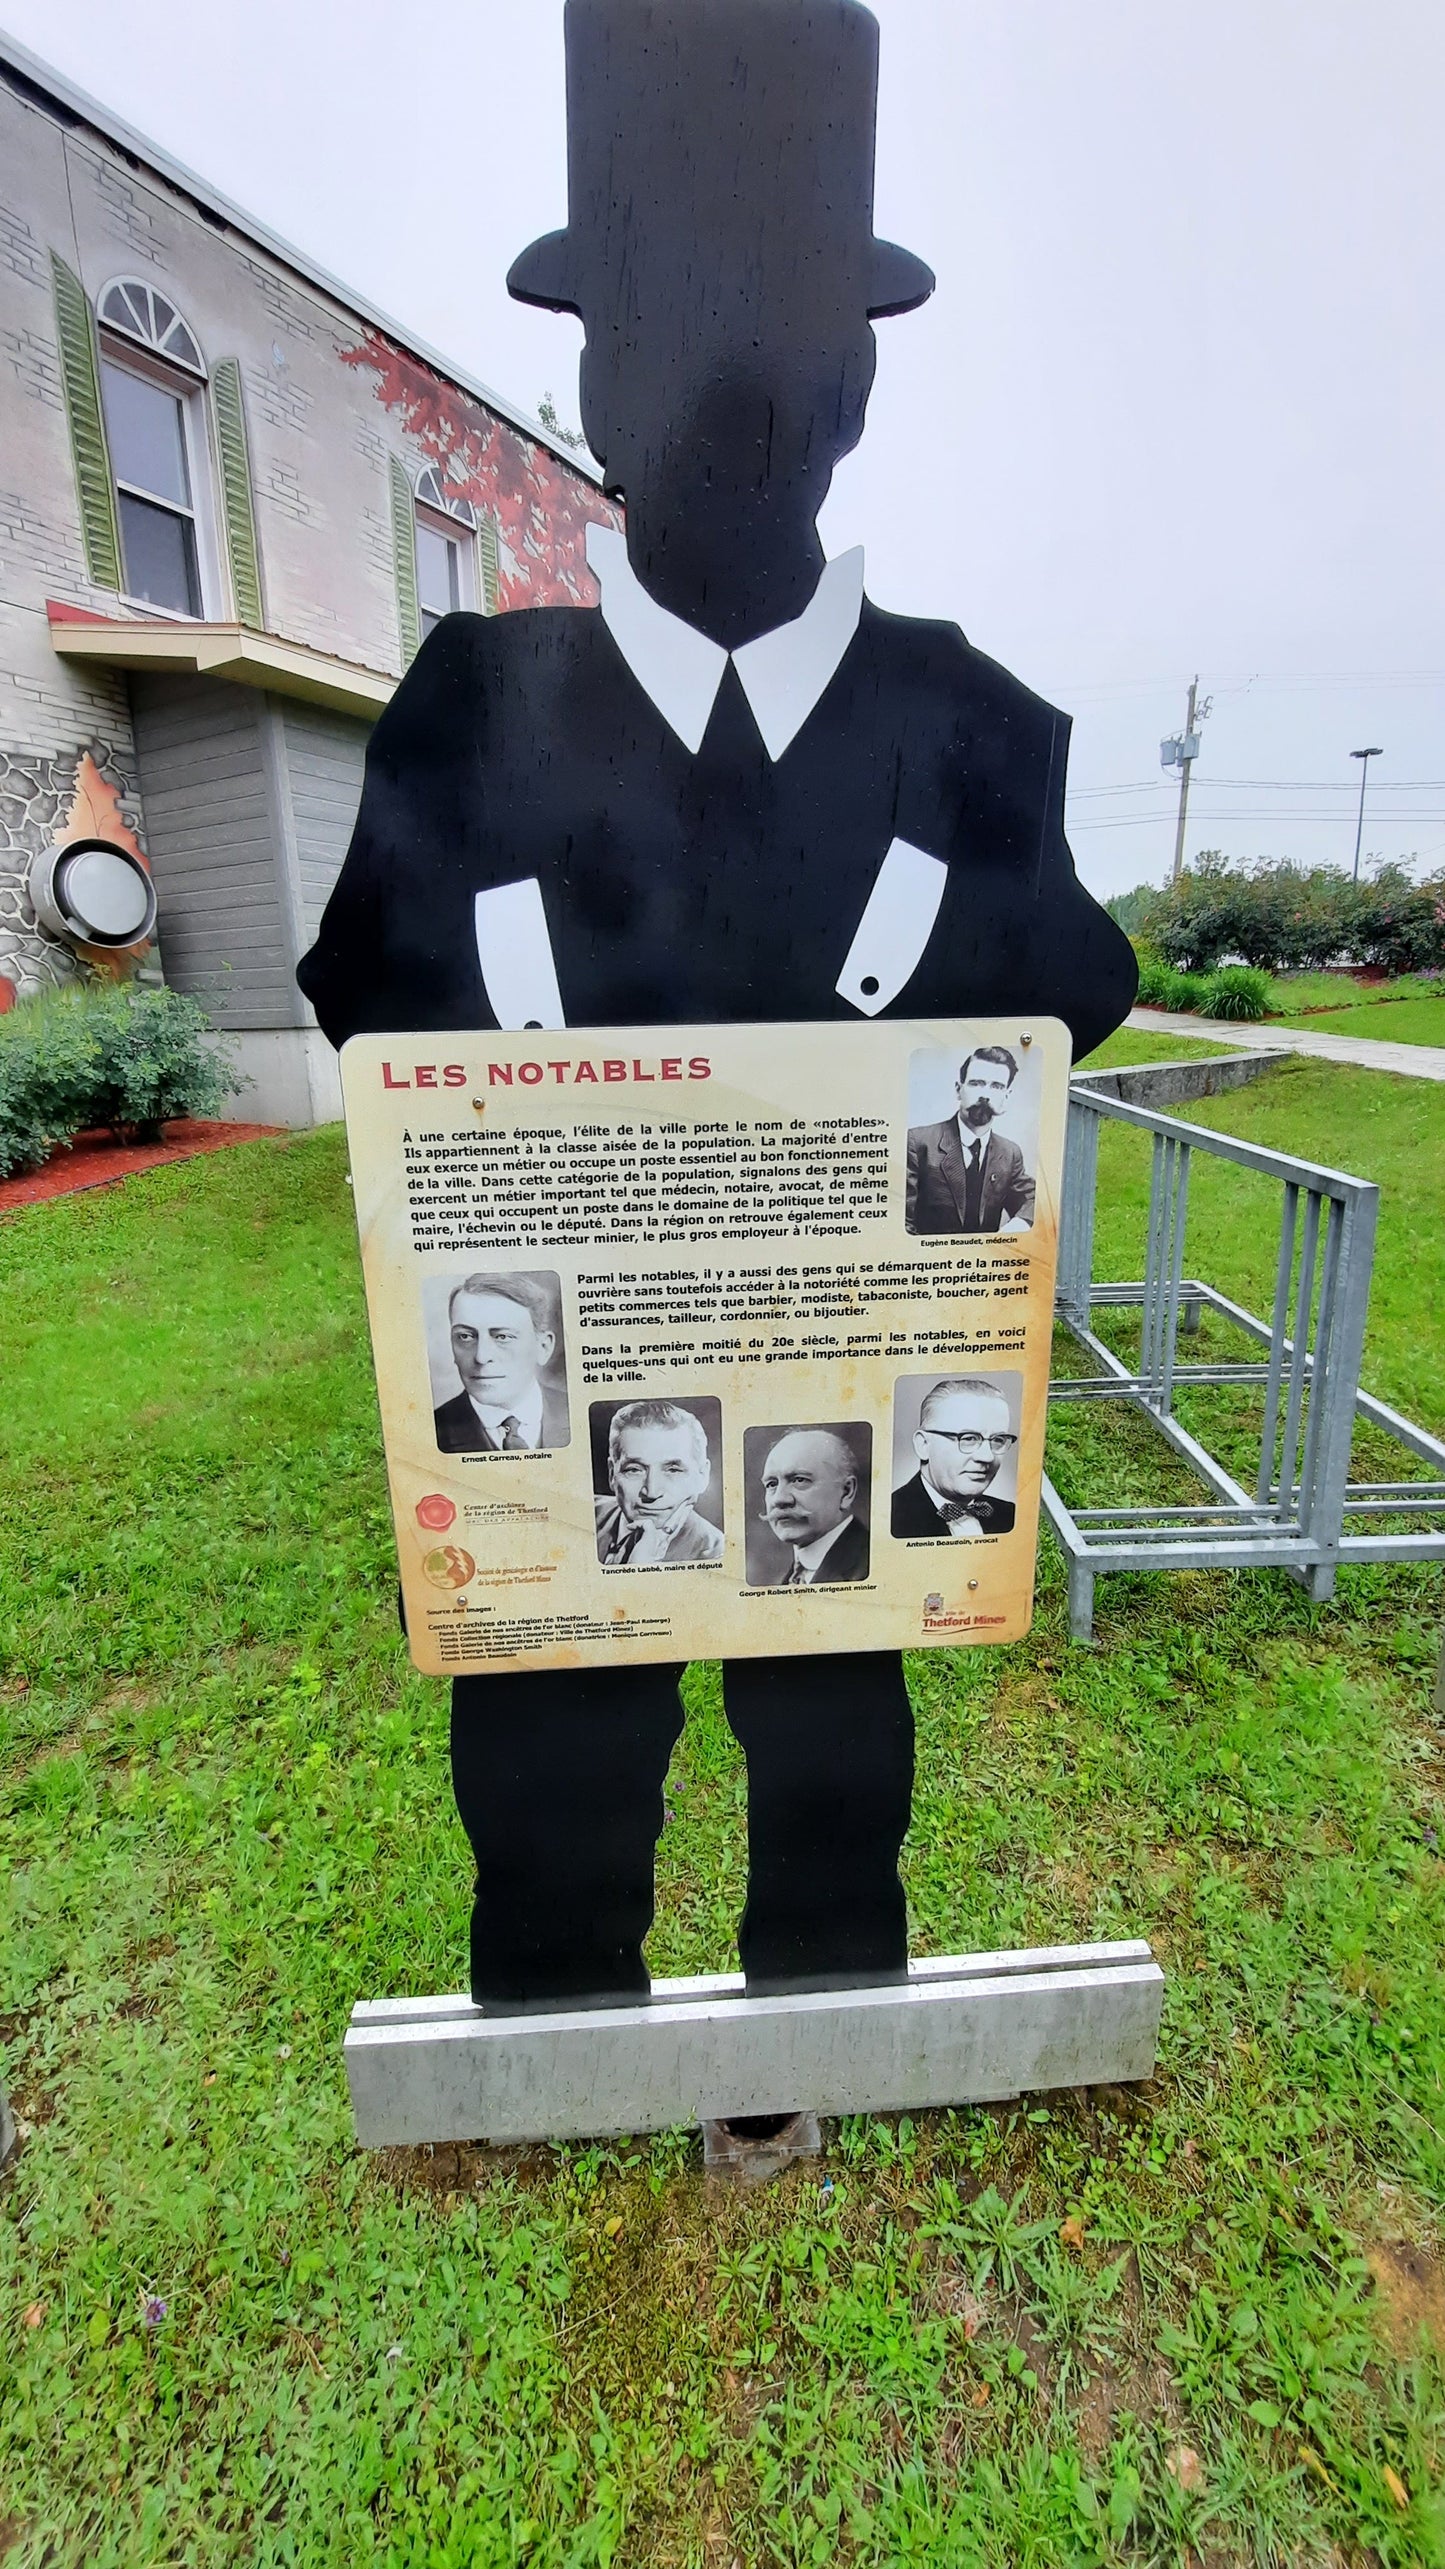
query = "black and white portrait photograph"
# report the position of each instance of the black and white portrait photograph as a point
(657, 1483)
(973, 1128)
(955, 1456)
(498, 1367)
(806, 1490)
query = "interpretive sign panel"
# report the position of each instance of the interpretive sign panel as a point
(710, 1341)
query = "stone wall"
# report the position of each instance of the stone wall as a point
(37, 795)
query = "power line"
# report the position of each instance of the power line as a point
(1237, 819)
(1288, 680)
(1271, 785)
(1330, 784)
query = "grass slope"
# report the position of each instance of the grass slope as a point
(1202, 2323)
(1389, 1021)
(1367, 1123)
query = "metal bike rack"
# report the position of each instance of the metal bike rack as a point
(1295, 1515)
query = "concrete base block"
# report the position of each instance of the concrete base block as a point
(293, 1077)
(969, 2029)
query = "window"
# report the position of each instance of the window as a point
(147, 425)
(138, 312)
(152, 374)
(445, 532)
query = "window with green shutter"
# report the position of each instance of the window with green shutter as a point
(236, 502)
(403, 537)
(80, 376)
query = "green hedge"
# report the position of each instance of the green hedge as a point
(1290, 918)
(112, 1056)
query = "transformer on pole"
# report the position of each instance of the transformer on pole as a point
(1180, 752)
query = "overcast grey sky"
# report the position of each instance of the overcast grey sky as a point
(1176, 404)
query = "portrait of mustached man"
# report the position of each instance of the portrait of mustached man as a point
(699, 802)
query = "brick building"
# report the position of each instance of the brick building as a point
(232, 500)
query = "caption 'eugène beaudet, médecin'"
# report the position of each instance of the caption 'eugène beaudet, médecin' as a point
(530, 1074)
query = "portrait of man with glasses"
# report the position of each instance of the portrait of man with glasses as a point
(965, 1438)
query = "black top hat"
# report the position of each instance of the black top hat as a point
(738, 123)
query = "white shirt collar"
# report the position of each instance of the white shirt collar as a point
(968, 1137)
(783, 672)
(527, 1413)
(809, 1555)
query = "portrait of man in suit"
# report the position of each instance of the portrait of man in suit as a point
(503, 1332)
(964, 1438)
(962, 1174)
(677, 808)
(658, 1466)
(813, 1503)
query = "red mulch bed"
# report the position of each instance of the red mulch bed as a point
(97, 1159)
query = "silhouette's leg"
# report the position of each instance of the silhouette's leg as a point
(558, 1777)
(829, 1746)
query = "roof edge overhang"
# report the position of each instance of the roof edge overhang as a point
(230, 651)
(77, 104)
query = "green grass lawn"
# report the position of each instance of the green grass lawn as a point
(1368, 1124)
(1202, 2323)
(1390, 1021)
(1302, 1000)
(1328, 989)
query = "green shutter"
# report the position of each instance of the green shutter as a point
(491, 567)
(80, 375)
(236, 502)
(403, 538)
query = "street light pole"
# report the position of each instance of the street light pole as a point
(1364, 756)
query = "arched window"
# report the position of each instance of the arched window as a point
(152, 382)
(433, 493)
(445, 549)
(140, 313)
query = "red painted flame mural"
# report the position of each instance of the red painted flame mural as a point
(540, 509)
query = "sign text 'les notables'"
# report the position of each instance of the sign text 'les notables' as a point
(533, 1074)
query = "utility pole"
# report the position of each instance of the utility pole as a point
(1364, 756)
(1181, 752)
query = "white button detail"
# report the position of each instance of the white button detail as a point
(894, 929)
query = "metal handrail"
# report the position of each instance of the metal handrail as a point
(1309, 1374)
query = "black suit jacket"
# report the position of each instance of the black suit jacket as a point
(914, 1514)
(716, 888)
(847, 1559)
(937, 1179)
(460, 1431)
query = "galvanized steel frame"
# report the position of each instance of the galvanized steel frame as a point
(1294, 1517)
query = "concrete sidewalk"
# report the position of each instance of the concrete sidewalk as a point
(1412, 1061)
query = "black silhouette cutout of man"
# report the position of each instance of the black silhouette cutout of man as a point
(698, 804)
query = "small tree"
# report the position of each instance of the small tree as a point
(1189, 921)
(547, 415)
(1280, 917)
(1129, 910)
(1400, 925)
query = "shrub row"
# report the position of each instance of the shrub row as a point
(1290, 918)
(1235, 991)
(110, 1056)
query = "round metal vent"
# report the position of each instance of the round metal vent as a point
(94, 893)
